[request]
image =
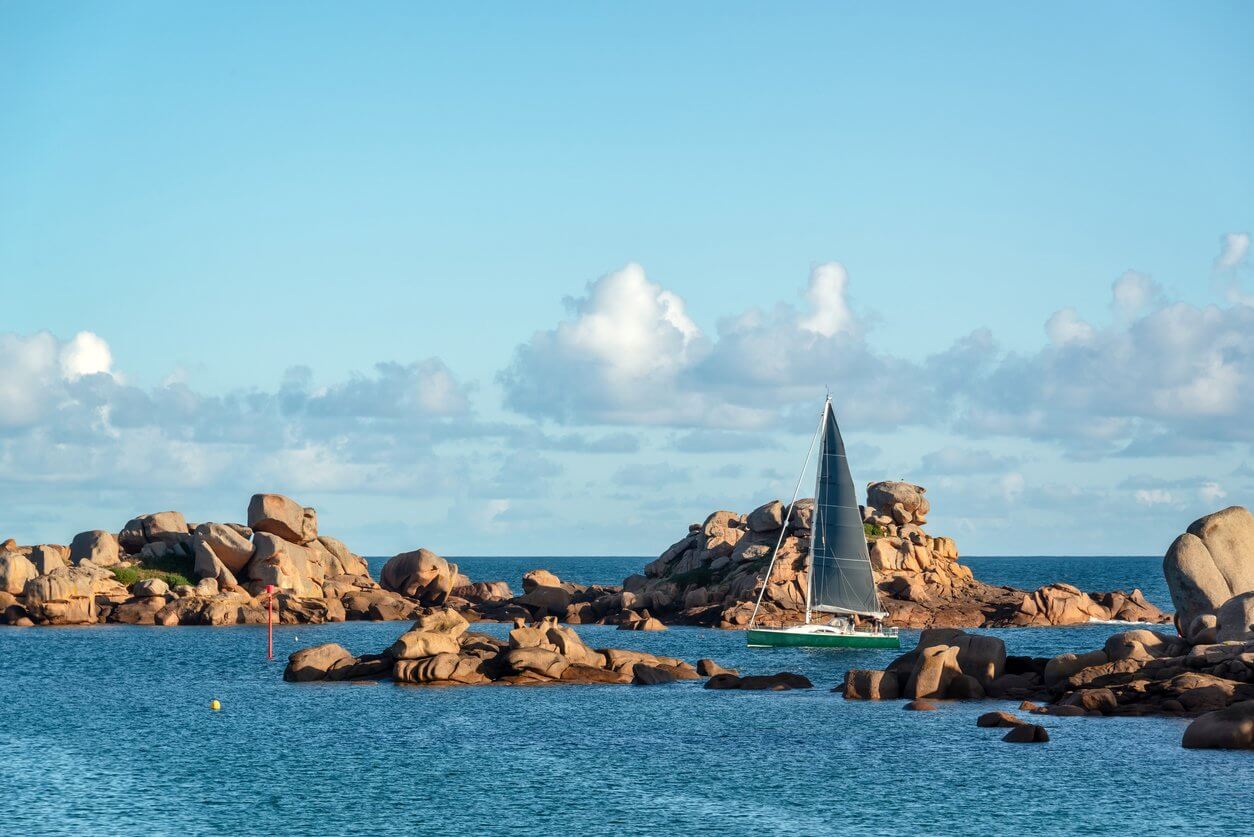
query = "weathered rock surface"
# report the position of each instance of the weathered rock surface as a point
(439, 650)
(715, 573)
(1209, 564)
(97, 546)
(277, 515)
(420, 575)
(228, 568)
(15, 570)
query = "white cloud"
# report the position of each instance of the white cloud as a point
(1178, 371)
(1134, 292)
(630, 354)
(1211, 492)
(1153, 497)
(1065, 326)
(1233, 250)
(829, 310)
(616, 360)
(86, 354)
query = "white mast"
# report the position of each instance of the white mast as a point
(818, 472)
(783, 529)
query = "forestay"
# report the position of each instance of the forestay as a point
(840, 567)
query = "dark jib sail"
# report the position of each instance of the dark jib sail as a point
(841, 579)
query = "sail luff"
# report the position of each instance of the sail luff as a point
(840, 580)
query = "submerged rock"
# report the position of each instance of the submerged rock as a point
(1026, 734)
(1231, 728)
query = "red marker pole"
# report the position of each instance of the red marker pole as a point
(269, 621)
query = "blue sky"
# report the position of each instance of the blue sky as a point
(610, 255)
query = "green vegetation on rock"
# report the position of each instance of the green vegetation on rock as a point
(172, 569)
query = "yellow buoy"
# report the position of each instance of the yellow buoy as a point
(214, 705)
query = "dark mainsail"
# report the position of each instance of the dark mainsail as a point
(840, 570)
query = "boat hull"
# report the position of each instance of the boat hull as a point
(785, 638)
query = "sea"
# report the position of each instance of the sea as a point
(108, 730)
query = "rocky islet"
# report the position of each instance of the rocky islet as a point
(1206, 673)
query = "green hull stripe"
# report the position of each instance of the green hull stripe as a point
(787, 640)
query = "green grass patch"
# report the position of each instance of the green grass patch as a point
(172, 569)
(872, 530)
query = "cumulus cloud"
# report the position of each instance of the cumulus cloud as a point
(829, 310)
(1178, 371)
(1159, 377)
(1065, 326)
(1234, 248)
(616, 359)
(630, 354)
(66, 416)
(1133, 293)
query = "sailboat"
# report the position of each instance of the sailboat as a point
(839, 583)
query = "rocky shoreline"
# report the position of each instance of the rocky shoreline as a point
(161, 570)
(714, 574)
(1206, 672)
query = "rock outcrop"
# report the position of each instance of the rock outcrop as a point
(714, 575)
(225, 573)
(439, 650)
(421, 575)
(1208, 566)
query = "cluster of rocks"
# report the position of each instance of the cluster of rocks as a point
(238, 571)
(439, 650)
(1206, 672)
(715, 574)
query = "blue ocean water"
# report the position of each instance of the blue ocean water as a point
(106, 730)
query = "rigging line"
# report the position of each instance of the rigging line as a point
(784, 528)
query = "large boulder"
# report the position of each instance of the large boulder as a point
(66, 596)
(285, 565)
(864, 684)
(1236, 618)
(277, 515)
(317, 663)
(1210, 563)
(539, 663)
(440, 668)
(421, 575)
(15, 570)
(767, 518)
(416, 644)
(539, 578)
(1224, 729)
(48, 557)
(1065, 665)
(902, 501)
(933, 671)
(149, 587)
(345, 562)
(97, 546)
(209, 567)
(228, 543)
